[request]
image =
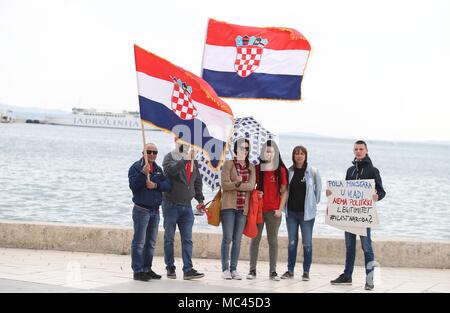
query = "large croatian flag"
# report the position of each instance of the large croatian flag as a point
(254, 62)
(183, 104)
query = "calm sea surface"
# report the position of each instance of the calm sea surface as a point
(79, 175)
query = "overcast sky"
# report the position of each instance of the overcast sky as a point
(378, 69)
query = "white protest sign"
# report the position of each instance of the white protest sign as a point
(350, 206)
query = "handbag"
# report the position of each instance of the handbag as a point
(213, 209)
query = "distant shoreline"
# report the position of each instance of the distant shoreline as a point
(281, 134)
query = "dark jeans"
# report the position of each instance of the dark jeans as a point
(145, 224)
(293, 221)
(181, 215)
(233, 224)
(350, 245)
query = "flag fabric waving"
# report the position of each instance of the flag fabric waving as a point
(177, 101)
(254, 62)
(244, 127)
(210, 178)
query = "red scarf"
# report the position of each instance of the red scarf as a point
(188, 172)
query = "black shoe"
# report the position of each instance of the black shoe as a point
(287, 275)
(171, 273)
(274, 276)
(192, 274)
(142, 276)
(153, 275)
(251, 274)
(342, 280)
(305, 276)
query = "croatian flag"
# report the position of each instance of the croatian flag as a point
(179, 102)
(254, 62)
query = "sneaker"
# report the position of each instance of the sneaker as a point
(141, 276)
(192, 274)
(235, 275)
(287, 275)
(171, 273)
(226, 275)
(153, 275)
(369, 284)
(305, 276)
(251, 274)
(342, 280)
(274, 276)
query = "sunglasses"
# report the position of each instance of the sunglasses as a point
(152, 152)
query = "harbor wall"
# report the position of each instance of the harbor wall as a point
(117, 240)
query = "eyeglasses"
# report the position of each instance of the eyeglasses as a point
(152, 152)
(244, 148)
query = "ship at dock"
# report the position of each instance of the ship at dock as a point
(93, 118)
(6, 117)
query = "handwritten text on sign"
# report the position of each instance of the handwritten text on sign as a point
(351, 203)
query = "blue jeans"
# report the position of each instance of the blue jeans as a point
(145, 224)
(350, 245)
(293, 221)
(233, 224)
(181, 215)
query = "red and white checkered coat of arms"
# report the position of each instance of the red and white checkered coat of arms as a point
(181, 100)
(249, 54)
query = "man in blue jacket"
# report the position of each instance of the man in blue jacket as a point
(147, 182)
(362, 169)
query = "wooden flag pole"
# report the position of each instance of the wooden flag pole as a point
(145, 150)
(142, 123)
(192, 159)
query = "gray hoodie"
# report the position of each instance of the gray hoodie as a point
(182, 192)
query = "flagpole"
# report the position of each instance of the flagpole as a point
(145, 150)
(142, 123)
(192, 159)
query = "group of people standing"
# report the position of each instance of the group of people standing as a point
(294, 191)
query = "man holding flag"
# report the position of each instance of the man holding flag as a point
(186, 184)
(147, 182)
(183, 104)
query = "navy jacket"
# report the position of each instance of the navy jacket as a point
(364, 169)
(149, 198)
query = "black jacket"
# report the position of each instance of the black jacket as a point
(364, 169)
(175, 170)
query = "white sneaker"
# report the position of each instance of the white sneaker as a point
(226, 275)
(235, 275)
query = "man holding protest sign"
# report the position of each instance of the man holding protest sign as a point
(362, 169)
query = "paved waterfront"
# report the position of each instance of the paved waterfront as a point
(23, 270)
